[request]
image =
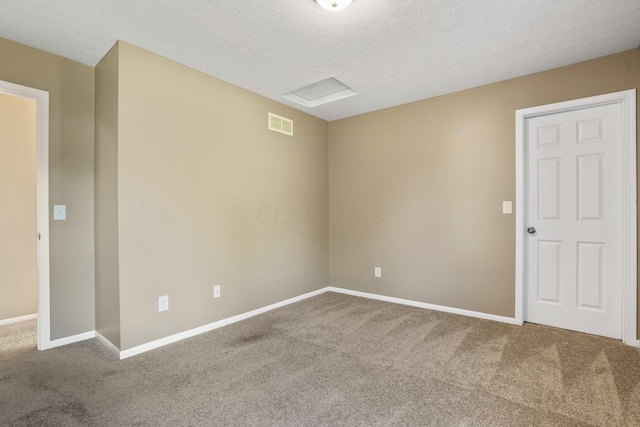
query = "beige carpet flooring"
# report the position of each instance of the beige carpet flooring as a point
(332, 360)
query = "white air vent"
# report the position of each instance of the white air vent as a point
(280, 124)
(320, 93)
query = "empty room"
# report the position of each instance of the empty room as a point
(319, 213)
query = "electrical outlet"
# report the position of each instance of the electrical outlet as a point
(163, 303)
(378, 272)
(216, 291)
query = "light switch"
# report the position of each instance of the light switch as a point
(163, 303)
(60, 212)
(507, 208)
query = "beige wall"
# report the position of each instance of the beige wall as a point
(71, 134)
(206, 195)
(18, 216)
(106, 199)
(200, 178)
(424, 185)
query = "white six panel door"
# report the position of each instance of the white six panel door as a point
(574, 202)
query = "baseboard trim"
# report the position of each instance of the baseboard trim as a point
(110, 346)
(460, 311)
(18, 319)
(230, 320)
(143, 348)
(72, 339)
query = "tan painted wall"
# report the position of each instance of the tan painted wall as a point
(207, 192)
(71, 118)
(106, 199)
(418, 189)
(18, 216)
(200, 179)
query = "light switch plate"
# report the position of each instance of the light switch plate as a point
(216, 291)
(507, 208)
(163, 303)
(378, 272)
(59, 212)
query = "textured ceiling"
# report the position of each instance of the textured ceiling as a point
(390, 51)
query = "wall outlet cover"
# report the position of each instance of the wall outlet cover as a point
(216, 291)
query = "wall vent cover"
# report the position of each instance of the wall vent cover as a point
(320, 93)
(280, 124)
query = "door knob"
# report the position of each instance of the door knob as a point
(531, 230)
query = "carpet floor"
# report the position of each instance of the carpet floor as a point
(331, 360)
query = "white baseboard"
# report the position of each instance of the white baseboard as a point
(110, 346)
(143, 348)
(224, 322)
(18, 319)
(211, 326)
(70, 340)
(435, 307)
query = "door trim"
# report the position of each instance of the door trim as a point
(42, 204)
(629, 233)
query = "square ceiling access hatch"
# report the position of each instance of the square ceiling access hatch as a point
(320, 93)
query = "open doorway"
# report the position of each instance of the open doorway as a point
(24, 186)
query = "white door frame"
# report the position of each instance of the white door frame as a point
(629, 233)
(42, 205)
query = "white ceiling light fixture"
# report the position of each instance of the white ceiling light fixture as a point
(334, 5)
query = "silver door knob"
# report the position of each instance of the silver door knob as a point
(531, 230)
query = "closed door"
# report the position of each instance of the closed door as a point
(574, 218)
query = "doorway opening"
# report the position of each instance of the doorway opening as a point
(41, 236)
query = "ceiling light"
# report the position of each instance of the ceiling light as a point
(334, 5)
